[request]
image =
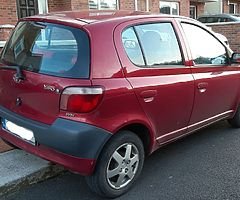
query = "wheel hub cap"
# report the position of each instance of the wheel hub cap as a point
(122, 166)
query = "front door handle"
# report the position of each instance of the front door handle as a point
(202, 87)
(148, 95)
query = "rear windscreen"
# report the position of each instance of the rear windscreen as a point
(50, 49)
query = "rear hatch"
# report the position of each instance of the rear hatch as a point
(38, 62)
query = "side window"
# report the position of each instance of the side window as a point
(205, 48)
(159, 44)
(131, 46)
(202, 19)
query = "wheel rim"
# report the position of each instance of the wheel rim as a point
(122, 166)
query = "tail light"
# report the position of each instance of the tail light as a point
(81, 99)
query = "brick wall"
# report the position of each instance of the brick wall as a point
(184, 7)
(59, 5)
(79, 5)
(231, 31)
(8, 12)
(126, 5)
(200, 9)
(199, 6)
(5, 32)
(142, 5)
(154, 6)
(226, 6)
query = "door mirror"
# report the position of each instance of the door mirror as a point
(235, 58)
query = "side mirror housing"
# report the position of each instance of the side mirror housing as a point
(235, 58)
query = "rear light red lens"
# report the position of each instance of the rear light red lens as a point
(80, 100)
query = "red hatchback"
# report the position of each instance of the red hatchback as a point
(98, 91)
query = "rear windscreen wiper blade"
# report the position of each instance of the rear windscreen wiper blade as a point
(19, 74)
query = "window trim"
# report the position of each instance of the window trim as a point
(234, 8)
(140, 46)
(180, 66)
(204, 65)
(170, 3)
(99, 7)
(195, 11)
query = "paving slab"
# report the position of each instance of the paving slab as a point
(19, 169)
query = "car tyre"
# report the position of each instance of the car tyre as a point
(235, 121)
(118, 166)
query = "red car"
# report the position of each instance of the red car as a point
(98, 91)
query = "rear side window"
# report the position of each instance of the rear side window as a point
(132, 47)
(212, 19)
(152, 45)
(202, 19)
(49, 49)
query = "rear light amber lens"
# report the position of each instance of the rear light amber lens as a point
(81, 99)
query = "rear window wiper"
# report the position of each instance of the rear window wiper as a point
(19, 75)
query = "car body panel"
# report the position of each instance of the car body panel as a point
(40, 94)
(171, 107)
(167, 101)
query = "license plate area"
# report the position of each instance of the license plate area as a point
(19, 131)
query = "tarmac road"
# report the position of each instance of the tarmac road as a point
(203, 166)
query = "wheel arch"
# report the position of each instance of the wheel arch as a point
(143, 131)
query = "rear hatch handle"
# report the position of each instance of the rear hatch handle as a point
(19, 75)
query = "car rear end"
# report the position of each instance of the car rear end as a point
(44, 80)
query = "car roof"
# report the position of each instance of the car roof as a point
(234, 17)
(89, 17)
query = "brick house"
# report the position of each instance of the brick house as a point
(223, 6)
(12, 10)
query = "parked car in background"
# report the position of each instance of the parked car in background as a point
(97, 92)
(218, 18)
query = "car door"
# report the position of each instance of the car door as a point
(154, 64)
(216, 80)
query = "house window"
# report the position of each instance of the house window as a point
(232, 8)
(171, 8)
(193, 12)
(103, 4)
(42, 6)
(31, 7)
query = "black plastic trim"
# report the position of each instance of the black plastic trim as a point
(69, 137)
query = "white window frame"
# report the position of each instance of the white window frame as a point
(41, 9)
(195, 8)
(234, 7)
(171, 3)
(99, 7)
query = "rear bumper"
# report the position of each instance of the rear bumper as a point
(72, 144)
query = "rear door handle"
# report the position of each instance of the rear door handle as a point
(148, 95)
(202, 87)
